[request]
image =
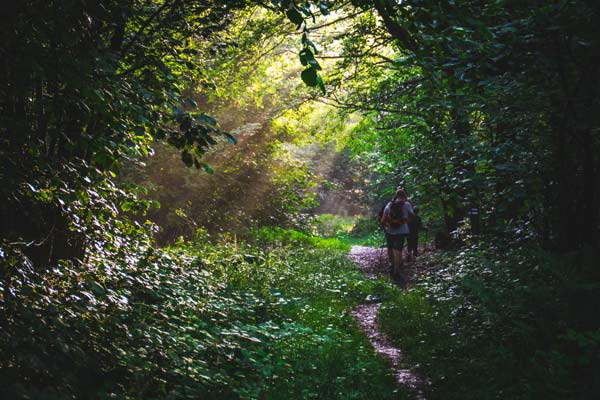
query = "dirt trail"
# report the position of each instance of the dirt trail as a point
(373, 261)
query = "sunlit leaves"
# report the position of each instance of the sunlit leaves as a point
(195, 136)
(297, 13)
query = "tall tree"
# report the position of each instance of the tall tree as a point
(511, 102)
(85, 84)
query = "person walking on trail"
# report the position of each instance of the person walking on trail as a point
(414, 227)
(396, 215)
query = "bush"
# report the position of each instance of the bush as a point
(501, 322)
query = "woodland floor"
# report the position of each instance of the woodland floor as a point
(374, 262)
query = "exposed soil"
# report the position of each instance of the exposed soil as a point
(374, 263)
(372, 260)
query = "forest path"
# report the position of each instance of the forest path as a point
(373, 261)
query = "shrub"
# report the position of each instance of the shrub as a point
(220, 320)
(501, 322)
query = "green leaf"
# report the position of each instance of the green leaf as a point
(309, 76)
(206, 119)
(127, 206)
(315, 64)
(305, 56)
(103, 159)
(309, 43)
(208, 169)
(294, 16)
(97, 288)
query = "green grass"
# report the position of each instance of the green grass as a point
(353, 230)
(310, 287)
(279, 236)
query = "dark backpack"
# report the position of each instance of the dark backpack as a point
(397, 214)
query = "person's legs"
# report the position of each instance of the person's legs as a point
(416, 246)
(412, 246)
(389, 240)
(397, 260)
(397, 250)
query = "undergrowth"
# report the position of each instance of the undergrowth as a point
(502, 323)
(202, 320)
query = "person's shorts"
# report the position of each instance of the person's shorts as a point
(395, 241)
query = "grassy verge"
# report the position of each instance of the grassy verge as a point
(287, 237)
(351, 230)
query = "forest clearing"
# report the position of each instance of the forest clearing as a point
(286, 199)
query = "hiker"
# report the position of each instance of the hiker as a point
(380, 221)
(414, 227)
(396, 215)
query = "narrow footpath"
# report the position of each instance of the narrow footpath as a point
(373, 261)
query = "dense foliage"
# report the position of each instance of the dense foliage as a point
(481, 106)
(211, 320)
(84, 85)
(487, 112)
(502, 321)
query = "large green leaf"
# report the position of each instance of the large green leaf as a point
(315, 64)
(323, 8)
(295, 16)
(230, 137)
(306, 56)
(309, 76)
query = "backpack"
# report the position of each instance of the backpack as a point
(397, 214)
